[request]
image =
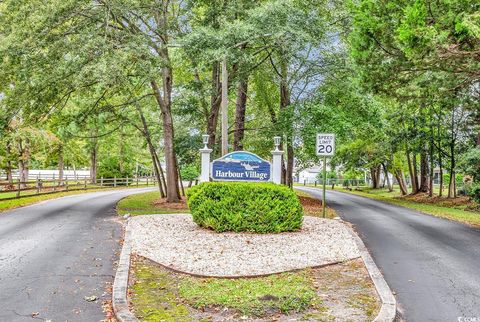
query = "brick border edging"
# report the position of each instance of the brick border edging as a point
(388, 309)
(120, 284)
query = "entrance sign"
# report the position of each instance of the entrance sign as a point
(241, 166)
(325, 144)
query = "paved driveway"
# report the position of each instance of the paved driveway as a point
(432, 264)
(55, 253)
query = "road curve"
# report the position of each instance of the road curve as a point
(56, 253)
(432, 264)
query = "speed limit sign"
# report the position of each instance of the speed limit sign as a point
(325, 144)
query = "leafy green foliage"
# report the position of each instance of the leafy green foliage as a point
(475, 193)
(469, 163)
(252, 207)
(190, 172)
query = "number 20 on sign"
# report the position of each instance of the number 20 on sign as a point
(325, 144)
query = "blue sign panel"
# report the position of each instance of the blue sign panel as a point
(240, 166)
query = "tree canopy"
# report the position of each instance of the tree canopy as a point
(127, 87)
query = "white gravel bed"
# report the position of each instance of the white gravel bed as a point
(175, 241)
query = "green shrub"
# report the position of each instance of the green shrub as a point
(250, 207)
(475, 193)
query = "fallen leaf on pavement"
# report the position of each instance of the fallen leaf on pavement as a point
(90, 298)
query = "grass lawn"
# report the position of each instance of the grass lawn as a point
(149, 203)
(25, 201)
(439, 207)
(341, 291)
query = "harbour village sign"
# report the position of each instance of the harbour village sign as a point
(241, 165)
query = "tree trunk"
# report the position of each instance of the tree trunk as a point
(290, 159)
(240, 109)
(440, 160)
(24, 155)
(156, 170)
(26, 162)
(284, 103)
(430, 179)
(478, 126)
(121, 161)
(8, 168)
(423, 171)
(411, 173)
(215, 103)
(164, 101)
(93, 160)
(173, 193)
(153, 153)
(452, 189)
(401, 181)
(440, 173)
(415, 172)
(60, 165)
(181, 182)
(389, 185)
(372, 176)
(162, 174)
(375, 174)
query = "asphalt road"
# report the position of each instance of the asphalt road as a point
(432, 264)
(56, 253)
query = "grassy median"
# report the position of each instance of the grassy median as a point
(149, 203)
(338, 292)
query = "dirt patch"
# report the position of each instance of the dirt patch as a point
(347, 291)
(342, 292)
(459, 202)
(313, 207)
(165, 205)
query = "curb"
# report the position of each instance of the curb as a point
(120, 284)
(389, 304)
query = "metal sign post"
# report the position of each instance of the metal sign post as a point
(325, 147)
(324, 185)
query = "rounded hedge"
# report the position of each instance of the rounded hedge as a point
(245, 207)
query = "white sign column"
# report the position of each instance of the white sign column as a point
(205, 153)
(276, 162)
